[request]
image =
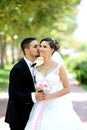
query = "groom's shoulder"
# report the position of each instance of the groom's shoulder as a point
(19, 63)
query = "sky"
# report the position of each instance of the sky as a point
(81, 31)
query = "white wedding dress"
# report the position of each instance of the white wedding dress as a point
(56, 114)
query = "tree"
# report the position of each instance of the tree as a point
(39, 18)
(2, 49)
(20, 15)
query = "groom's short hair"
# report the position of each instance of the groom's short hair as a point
(25, 43)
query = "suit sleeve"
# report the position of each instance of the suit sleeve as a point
(20, 87)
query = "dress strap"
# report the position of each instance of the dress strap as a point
(58, 68)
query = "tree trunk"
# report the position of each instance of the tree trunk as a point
(1, 54)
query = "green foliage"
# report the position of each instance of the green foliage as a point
(83, 47)
(81, 71)
(84, 86)
(78, 67)
(38, 18)
(4, 76)
(31, 17)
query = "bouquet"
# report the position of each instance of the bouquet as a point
(42, 86)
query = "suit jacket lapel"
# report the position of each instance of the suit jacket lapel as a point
(26, 70)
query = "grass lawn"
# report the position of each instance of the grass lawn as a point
(4, 77)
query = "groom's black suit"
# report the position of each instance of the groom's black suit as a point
(20, 102)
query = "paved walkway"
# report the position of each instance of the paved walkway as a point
(79, 98)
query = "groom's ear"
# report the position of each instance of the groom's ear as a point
(26, 51)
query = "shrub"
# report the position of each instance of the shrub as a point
(81, 72)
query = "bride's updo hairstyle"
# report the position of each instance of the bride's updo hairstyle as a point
(52, 43)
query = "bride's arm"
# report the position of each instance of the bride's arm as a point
(66, 86)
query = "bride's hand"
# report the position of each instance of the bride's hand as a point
(40, 96)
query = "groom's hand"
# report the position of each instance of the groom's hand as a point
(40, 95)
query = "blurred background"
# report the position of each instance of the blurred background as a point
(64, 20)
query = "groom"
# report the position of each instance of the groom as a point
(22, 94)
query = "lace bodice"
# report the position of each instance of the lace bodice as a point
(52, 78)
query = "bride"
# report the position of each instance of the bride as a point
(56, 111)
